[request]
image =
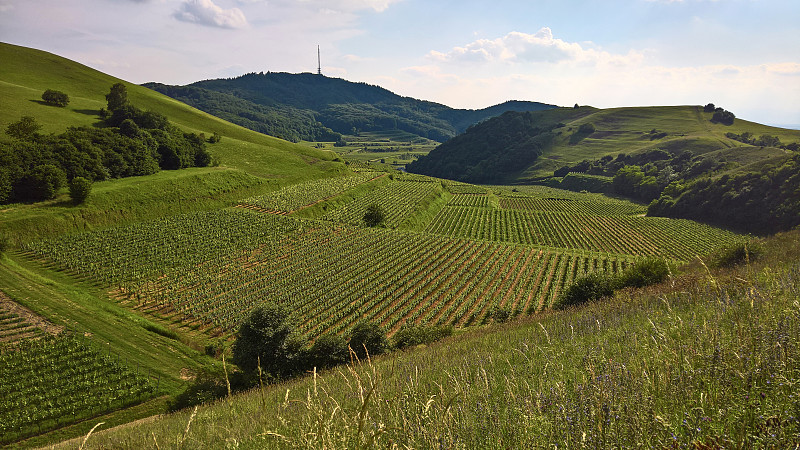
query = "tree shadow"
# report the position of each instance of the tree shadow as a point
(88, 112)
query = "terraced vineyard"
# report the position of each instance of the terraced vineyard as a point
(57, 380)
(211, 268)
(331, 275)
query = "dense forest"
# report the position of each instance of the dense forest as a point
(282, 121)
(130, 142)
(763, 202)
(314, 107)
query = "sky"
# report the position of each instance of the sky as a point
(742, 55)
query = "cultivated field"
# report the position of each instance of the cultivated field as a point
(207, 270)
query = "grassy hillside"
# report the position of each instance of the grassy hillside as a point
(627, 130)
(613, 131)
(250, 162)
(26, 73)
(705, 360)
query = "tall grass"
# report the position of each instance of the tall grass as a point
(708, 360)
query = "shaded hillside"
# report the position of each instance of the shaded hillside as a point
(497, 150)
(309, 103)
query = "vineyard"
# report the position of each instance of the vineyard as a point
(399, 200)
(57, 380)
(637, 236)
(331, 275)
(296, 196)
(474, 257)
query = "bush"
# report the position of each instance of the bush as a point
(268, 334)
(368, 338)
(329, 350)
(374, 216)
(645, 273)
(79, 189)
(586, 128)
(55, 98)
(733, 255)
(590, 287)
(501, 315)
(411, 335)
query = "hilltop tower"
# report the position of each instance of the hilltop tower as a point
(319, 63)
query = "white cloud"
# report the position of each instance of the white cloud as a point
(540, 47)
(205, 12)
(5, 5)
(348, 5)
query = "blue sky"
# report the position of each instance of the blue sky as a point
(743, 55)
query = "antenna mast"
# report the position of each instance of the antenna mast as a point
(319, 63)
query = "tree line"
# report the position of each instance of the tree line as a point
(129, 142)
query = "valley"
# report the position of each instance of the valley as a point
(146, 284)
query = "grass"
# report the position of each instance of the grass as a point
(26, 73)
(626, 130)
(706, 360)
(131, 200)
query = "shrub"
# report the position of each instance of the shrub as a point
(268, 334)
(55, 98)
(500, 315)
(590, 287)
(586, 128)
(733, 255)
(411, 335)
(645, 273)
(374, 216)
(79, 189)
(329, 350)
(368, 338)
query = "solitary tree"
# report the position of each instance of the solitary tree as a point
(55, 98)
(79, 189)
(374, 216)
(117, 97)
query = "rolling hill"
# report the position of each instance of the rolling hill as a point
(653, 153)
(606, 132)
(133, 303)
(313, 107)
(249, 162)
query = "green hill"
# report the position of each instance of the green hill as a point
(606, 132)
(249, 162)
(308, 106)
(26, 73)
(641, 153)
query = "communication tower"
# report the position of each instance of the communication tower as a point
(319, 63)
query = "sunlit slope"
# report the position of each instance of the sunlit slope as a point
(25, 73)
(635, 129)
